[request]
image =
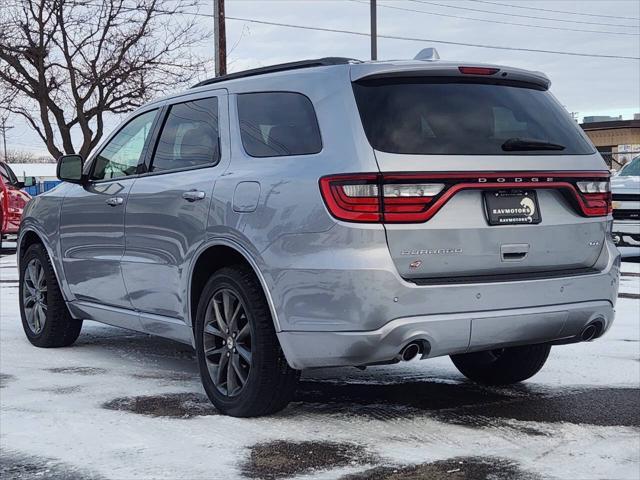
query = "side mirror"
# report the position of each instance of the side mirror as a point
(70, 168)
(29, 181)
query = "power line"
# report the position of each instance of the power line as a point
(517, 15)
(399, 37)
(430, 40)
(555, 11)
(501, 22)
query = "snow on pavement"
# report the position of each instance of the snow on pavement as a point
(123, 405)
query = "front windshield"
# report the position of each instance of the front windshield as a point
(631, 169)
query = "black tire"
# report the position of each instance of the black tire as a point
(504, 366)
(270, 383)
(60, 329)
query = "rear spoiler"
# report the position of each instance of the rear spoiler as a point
(368, 71)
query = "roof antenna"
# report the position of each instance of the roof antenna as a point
(427, 54)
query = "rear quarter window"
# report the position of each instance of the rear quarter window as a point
(274, 124)
(454, 117)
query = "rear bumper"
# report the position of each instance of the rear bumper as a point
(445, 334)
(361, 312)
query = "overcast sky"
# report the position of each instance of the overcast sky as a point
(589, 86)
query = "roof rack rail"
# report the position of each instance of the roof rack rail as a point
(282, 67)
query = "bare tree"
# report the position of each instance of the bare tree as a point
(64, 64)
(20, 156)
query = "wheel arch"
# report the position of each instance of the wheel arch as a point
(30, 236)
(26, 239)
(215, 255)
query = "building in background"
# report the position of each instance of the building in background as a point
(601, 118)
(617, 140)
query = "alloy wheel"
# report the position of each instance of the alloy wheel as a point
(227, 342)
(34, 295)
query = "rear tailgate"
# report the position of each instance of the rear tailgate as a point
(482, 177)
(459, 240)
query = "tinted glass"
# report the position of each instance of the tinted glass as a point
(632, 169)
(278, 124)
(120, 156)
(436, 116)
(189, 136)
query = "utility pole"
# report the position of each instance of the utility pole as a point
(220, 35)
(3, 128)
(374, 31)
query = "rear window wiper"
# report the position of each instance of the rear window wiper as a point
(523, 144)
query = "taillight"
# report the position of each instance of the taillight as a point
(354, 198)
(595, 197)
(416, 197)
(372, 198)
(594, 186)
(408, 202)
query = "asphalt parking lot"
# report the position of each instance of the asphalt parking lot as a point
(123, 405)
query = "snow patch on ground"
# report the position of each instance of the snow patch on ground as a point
(112, 407)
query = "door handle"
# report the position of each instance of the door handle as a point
(193, 195)
(115, 201)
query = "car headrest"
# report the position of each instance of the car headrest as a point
(198, 145)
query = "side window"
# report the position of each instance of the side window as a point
(276, 124)
(189, 136)
(119, 157)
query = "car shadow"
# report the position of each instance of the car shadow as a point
(392, 393)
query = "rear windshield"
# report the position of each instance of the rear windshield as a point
(453, 117)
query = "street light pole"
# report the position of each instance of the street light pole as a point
(374, 31)
(220, 40)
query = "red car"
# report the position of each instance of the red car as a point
(12, 202)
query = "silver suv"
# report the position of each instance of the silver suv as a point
(331, 213)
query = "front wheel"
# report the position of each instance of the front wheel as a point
(45, 317)
(243, 369)
(502, 366)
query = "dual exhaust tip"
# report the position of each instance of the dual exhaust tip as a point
(415, 348)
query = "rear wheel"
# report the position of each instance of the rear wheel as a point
(502, 366)
(243, 369)
(45, 317)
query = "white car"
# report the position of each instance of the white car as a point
(625, 188)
